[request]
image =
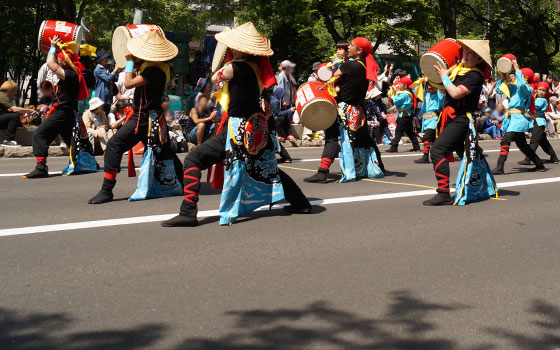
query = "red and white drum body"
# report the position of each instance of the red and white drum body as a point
(505, 63)
(316, 107)
(447, 52)
(66, 31)
(123, 34)
(324, 73)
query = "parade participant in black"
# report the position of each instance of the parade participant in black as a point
(252, 178)
(61, 118)
(517, 121)
(463, 86)
(147, 55)
(354, 76)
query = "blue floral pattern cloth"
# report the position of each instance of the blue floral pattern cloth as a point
(82, 159)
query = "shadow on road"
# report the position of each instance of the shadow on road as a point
(408, 324)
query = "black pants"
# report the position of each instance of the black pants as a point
(404, 127)
(521, 142)
(382, 129)
(283, 126)
(123, 140)
(283, 153)
(428, 139)
(449, 140)
(213, 151)
(538, 138)
(9, 121)
(60, 122)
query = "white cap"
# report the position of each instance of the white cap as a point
(95, 103)
(372, 93)
(288, 63)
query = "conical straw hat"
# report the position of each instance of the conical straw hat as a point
(153, 47)
(480, 47)
(247, 39)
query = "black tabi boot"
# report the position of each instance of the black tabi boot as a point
(525, 161)
(441, 198)
(425, 159)
(319, 177)
(392, 150)
(499, 169)
(189, 206)
(299, 204)
(553, 158)
(40, 172)
(105, 194)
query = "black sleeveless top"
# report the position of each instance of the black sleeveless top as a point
(243, 91)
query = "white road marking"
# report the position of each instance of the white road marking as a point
(209, 213)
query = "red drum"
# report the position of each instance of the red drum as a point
(66, 31)
(504, 64)
(316, 107)
(324, 72)
(446, 52)
(123, 34)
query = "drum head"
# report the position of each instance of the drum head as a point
(78, 38)
(427, 63)
(40, 36)
(119, 41)
(318, 114)
(324, 73)
(504, 65)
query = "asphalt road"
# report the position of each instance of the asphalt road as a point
(364, 271)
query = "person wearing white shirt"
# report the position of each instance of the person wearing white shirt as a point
(45, 74)
(554, 114)
(123, 93)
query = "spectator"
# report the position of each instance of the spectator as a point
(286, 81)
(375, 112)
(201, 124)
(104, 79)
(97, 124)
(45, 74)
(205, 85)
(47, 93)
(491, 126)
(554, 113)
(121, 112)
(122, 93)
(198, 68)
(278, 69)
(314, 76)
(9, 113)
(384, 77)
(282, 117)
(175, 133)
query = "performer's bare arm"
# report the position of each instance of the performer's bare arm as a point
(130, 79)
(456, 92)
(224, 74)
(52, 62)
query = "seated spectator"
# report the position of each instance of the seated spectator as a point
(201, 124)
(376, 117)
(314, 76)
(97, 124)
(491, 126)
(47, 92)
(175, 132)
(554, 113)
(282, 117)
(118, 117)
(9, 113)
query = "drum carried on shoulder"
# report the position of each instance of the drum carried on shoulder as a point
(123, 34)
(66, 31)
(447, 52)
(505, 63)
(316, 107)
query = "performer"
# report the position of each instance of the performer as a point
(538, 134)
(463, 86)
(354, 76)
(517, 122)
(252, 177)
(405, 101)
(433, 100)
(61, 118)
(147, 55)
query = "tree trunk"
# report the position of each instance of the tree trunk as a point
(448, 15)
(540, 49)
(66, 10)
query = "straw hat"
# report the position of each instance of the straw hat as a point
(480, 47)
(247, 39)
(153, 47)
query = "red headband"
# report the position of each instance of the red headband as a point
(79, 68)
(371, 66)
(543, 84)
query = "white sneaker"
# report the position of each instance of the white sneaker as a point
(7, 143)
